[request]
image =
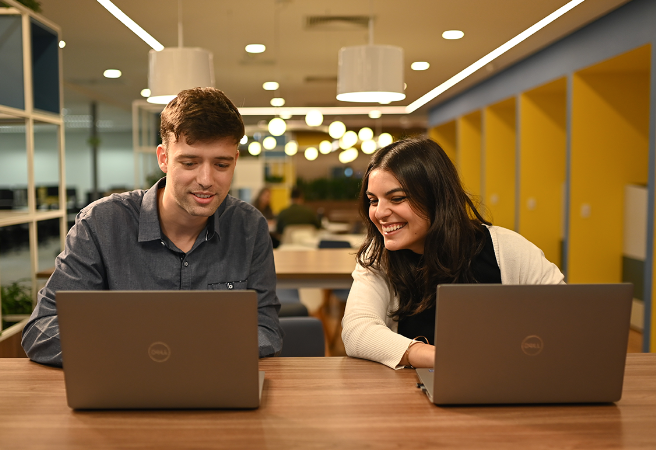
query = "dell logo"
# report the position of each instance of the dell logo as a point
(159, 351)
(532, 345)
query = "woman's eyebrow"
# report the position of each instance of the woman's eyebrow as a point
(392, 191)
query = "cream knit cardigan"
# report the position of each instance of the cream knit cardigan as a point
(369, 333)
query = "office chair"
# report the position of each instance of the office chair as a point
(303, 337)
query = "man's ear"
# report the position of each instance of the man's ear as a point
(162, 158)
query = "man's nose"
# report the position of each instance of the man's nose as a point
(204, 177)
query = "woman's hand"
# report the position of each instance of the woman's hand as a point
(419, 355)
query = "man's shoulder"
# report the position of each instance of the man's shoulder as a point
(114, 203)
(237, 206)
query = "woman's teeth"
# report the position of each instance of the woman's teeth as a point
(394, 227)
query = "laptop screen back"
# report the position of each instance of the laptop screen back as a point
(530, 343)
(159, 349)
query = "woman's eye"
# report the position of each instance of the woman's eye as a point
(398, 199)
(373, 201)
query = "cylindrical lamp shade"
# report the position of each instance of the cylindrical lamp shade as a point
(178, 68)
(370, 73)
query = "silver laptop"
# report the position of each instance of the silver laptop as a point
(499, 344)
(160, 349)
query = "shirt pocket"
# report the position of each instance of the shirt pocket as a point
(228, 286)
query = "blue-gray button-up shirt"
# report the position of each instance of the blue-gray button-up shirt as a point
(117, 244)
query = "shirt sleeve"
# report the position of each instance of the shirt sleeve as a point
(522, 262)
(367, 331)
(78, 267)
(262, 278)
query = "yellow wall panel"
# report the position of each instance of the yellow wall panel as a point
(610, 127)
(499, 166)
(445, 135)
(468, 161)
(542, 171)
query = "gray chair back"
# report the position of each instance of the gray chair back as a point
(304, 336)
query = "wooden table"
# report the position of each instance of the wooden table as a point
(317, 403)
(314, 268)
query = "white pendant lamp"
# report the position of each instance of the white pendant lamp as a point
(174, 69)
(177, 68)
(370, 73)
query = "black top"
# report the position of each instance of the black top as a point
(485, 270)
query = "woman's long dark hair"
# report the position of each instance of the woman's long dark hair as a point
(455, 236)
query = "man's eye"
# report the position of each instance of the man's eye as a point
(187, 164)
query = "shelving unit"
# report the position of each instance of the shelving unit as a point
(32, 140)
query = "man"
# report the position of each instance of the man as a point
(185, 232)
(296, 213)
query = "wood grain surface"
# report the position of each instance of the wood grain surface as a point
(326, 403)
(314, 263)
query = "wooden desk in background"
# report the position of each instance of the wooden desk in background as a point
(337, 403)
(312, 268)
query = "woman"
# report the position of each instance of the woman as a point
(263, 203)
(423, 230)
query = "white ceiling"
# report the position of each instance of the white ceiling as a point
(302, 60)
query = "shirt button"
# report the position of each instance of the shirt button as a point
(230, 286)
(186, 263)
(162, 242)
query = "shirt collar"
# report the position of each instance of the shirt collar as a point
(149, 228)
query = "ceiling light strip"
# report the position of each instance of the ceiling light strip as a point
(131, 24)
(325, 110)
(421, 101)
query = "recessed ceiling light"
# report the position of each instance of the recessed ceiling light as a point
(255, 48)
(453, 34)
(285, 115)
(62, 44)
(145, 92)
(375, 114)
(112, 73)
(270, 86)
(482, 62)
(244, 140)
(419, 65)
(277, 101)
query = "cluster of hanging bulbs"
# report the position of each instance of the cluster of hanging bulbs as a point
(343, 139)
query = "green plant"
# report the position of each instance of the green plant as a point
(16, 298)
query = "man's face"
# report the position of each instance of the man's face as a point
(198, 176)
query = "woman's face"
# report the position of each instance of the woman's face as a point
(265, 198)
(390, 211)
